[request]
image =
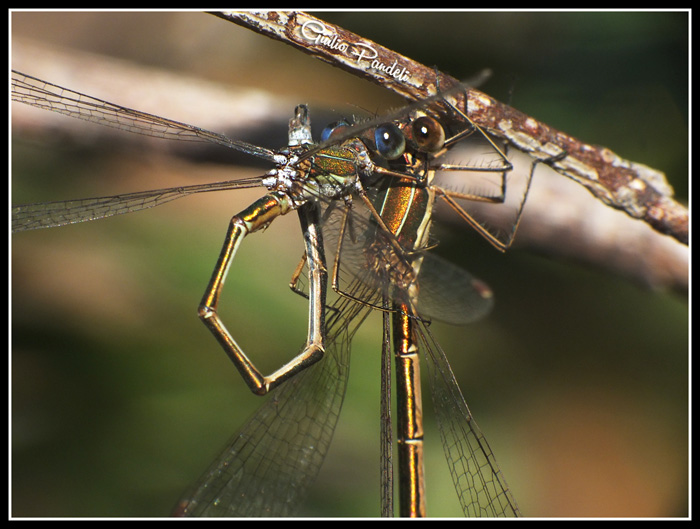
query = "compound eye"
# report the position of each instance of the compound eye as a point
(390, 141)
(334, 129)
(428, 134)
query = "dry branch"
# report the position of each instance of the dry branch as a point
(640, 191)
(563, 230)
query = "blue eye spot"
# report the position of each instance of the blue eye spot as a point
(334, 129)
(390, 141)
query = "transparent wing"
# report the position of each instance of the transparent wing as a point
(450, 294)
(386, 434)
(442, 290)
(60, 213)
(269, 464)
(479, 483)
(47, 96)
(478, 480)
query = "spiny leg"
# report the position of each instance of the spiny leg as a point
(501, 244)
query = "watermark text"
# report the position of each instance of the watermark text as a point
(318, 34)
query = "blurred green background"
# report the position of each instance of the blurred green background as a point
(120, 396)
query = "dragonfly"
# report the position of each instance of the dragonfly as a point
(350, 189)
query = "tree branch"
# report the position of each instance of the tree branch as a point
(561, 218)
(638, 190)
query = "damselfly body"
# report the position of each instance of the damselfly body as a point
(339, 171)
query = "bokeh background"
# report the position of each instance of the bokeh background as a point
(120, 397)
